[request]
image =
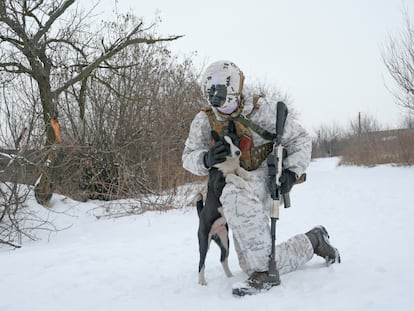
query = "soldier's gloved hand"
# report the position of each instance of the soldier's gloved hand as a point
(216, 154)
(287, 180)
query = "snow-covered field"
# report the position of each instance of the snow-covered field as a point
(149, 262)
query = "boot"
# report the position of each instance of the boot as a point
(322, 247)
(257, 282)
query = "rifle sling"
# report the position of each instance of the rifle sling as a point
(253, 126)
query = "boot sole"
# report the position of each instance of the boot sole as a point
(326, 237)
(249, 291)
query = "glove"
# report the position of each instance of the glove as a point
(216, 154)
(287, 180)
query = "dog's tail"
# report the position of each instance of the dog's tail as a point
(198, 201)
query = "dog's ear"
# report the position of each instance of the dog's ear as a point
(215, 136)
(232, 132)
(232, 127)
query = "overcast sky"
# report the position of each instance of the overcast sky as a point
(326, 54)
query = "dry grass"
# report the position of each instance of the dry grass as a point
(396, 146)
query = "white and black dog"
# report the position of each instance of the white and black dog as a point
(213, 225)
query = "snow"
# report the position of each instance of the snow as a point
(149, 261)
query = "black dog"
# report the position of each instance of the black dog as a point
(212, 224)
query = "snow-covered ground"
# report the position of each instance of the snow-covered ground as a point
(149, 262)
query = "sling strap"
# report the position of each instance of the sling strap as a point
(256, 128)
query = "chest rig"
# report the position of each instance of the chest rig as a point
(252, 156)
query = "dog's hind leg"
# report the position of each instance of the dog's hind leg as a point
(220, 235)
(222, 240)
(203, 243)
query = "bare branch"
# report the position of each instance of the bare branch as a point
(29, 11)
(68, 42)
(14, 67)
(114, 50)
(17, 43)
(10, 244)
(112, 89)
(399, 61)
(53, 17)
(15, 26)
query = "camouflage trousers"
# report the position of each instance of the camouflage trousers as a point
(247, 214)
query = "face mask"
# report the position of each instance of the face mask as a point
(220, 99)
(229, 107)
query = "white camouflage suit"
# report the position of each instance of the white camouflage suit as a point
(247, 211)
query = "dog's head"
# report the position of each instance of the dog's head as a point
(230, 140)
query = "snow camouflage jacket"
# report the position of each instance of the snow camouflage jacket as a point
(296, 140)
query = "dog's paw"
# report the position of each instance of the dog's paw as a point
(201, 277)
(202, 281)
(237, 181)
(247, 187)
(243, 173)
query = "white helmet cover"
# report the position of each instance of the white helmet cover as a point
(227, 75)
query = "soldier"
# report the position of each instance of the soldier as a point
(247, 210)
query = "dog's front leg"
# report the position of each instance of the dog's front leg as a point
(243, 173)
(237, 181)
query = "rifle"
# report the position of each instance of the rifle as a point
(274, 163)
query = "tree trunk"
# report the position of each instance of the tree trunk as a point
(45, 186)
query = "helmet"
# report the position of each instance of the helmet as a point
(222, 84)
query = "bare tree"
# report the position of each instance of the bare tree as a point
(136, 120)
(271, 93)
(363, 124)
(328, 141)
(408, 121)
(398, 57)
(59, 50)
